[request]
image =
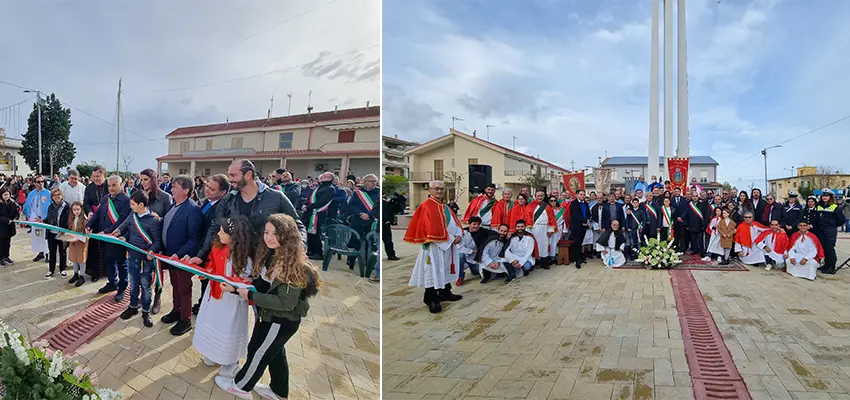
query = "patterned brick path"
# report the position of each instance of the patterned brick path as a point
(334, 356)
(595, 333)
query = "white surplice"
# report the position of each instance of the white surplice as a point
(38, 237)
(714, 240)
(490, 255)
(615, 257)
(770, 242)
(751, 255)
(521, 249)
(556, 237)
(541, 230)
(803, 248)
(433, 267)
(221, 330)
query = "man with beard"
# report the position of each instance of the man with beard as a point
(92, 197)
(502, 209)
(165, 186)
(482, 207)
(804, 253)
(611, 245)
(110, 214)
(249, 198)
(316, 213)
(543, 224)
(438, 231)
(774, 243)
(521, 252)
(758, 202)
(214, 190)
(491, 258)
(793, 214)
(745, 244)
(284, 183)
(364, 207)
(579, 218)
(770, 212)
(471, 242)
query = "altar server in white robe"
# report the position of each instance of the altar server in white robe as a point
(492, 256)
(438, 231)
(558, 211)
(805, 253)
(745, 245)
(774, 243)
(542, 227)
(35, 209)
(521, 252)
(611, 245)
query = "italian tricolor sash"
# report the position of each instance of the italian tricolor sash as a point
(651, 211)
(634, 217)
(510, 205)
(695, 209)
(560, 213)
(157, 271)
(668, 216)
(447, 215)
(313, 225)
(487, 207)
(366, 200)
(111, 211)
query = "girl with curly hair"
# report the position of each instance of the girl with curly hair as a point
(284, 280)
(221, 334)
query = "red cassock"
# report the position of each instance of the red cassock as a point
(780, 243)
(517, 213)
(743, 236)
(531, 207)
(475, 207)
(809, 236)
(500, 213)
(429, 223)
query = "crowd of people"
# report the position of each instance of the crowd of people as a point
(511, 236)
(240, 226)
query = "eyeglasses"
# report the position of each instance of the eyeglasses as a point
(748, 217)
(39, 181)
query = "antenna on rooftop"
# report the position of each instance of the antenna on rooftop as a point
(309, 101)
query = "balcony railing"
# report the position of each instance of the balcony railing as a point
(518, 172)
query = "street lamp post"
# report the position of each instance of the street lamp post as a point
(38, 104)
(764, 153)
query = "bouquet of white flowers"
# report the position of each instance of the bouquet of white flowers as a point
(658, 254)
(37, 371)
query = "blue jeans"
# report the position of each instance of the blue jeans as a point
(116, 271)
(525, 267)
(847, 226)
(141, 276)
(464, 263)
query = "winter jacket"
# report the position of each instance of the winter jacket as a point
(57, 215)
(8, 212)
(151, 225)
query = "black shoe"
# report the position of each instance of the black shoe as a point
(447, 295)
(157, 302)
(434, 307)
(486, 278)
(8, 261)
(107, 288)
(181, 328)
(74, 278)
(196, 308)
(80, 281)
(829, 271)
(724, 262)
(509, 279)
(545, 264)
(578, 266)
(170, 318)
(95, 278)
(146, 319)
(129, 313)
(316, 257)
(38, 257)
(393, 258)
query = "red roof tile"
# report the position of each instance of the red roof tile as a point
(273, 153)
(324, 116)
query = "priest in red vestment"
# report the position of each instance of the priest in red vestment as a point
(438, 231)
(804, 253)
(518, 212)
(542, 223)
(502, 208)
(774, 243)
(745, 244)
(482, 206)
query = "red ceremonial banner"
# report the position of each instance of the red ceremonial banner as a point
(574, 182)
(677, 170)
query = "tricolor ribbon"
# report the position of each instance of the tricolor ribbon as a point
(192, 269)
(157, 271)
(313, 225)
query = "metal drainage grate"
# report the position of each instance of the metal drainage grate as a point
(712, 368)
(84, 326)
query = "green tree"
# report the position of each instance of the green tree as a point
(804, 192)
(727, 186)
(535, 181)
(55, 131)
(393, 183)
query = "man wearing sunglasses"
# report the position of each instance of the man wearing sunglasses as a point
(35, 209)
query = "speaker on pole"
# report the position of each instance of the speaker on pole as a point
(480, 176)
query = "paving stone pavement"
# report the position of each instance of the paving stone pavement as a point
(334, 356)
(597, 333)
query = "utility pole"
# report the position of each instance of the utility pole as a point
(118, 125)
(764, 153)
(289, 109)
(455, 119)
(271, 106)
(488, 131)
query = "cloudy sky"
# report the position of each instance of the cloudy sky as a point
(570, 78)
(185, 63)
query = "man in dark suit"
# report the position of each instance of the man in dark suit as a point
(696, 219)
(214, 190)
(165, 186)
(611, 211)
(679, 205)
(181, 236)
(579, 217)
(112, 211)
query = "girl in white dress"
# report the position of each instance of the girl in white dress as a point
(714, 247)
(221, 331)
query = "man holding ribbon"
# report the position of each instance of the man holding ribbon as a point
(110, 214)
(214, 190)
(364, 206)
(35, 209)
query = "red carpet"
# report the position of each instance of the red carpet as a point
(694, 263)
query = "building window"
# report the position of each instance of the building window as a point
(473, 161)
(438, 169)
(236, 143)
(207, 172)
(184, 147)
(209, 144)
(795, 185)
(182, 171)
(285, 140)
(345, 137)
(780, 186)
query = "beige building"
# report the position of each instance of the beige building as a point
(11, 160)
(340, 141)
(448, 157)
(808, 177)
(392, 155)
